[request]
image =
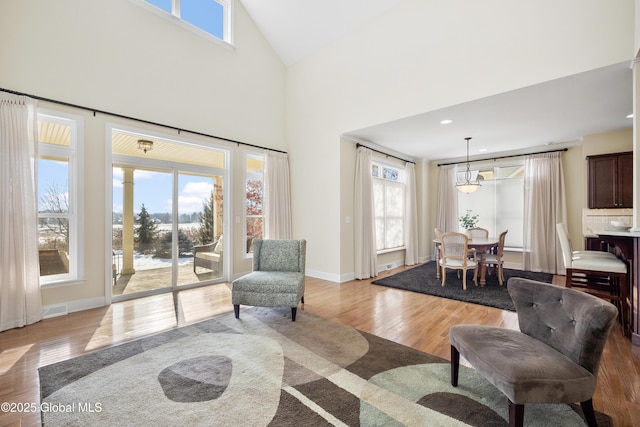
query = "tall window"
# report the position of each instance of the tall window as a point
(211, 16)
(254, 198)
(499, 203)
(389, 197)
(58, 202)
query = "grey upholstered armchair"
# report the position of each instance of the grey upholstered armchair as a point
(277, 279)
(555, 356)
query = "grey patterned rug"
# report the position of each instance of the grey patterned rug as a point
(264, 370)
(423, 279)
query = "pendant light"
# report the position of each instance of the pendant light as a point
(467, 186)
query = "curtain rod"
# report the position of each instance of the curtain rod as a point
(95, 110)
(502, 157)
(386, 154)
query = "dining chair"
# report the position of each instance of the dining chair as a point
(453, 255)
(438, 233)
(496, 259)
(477, 232)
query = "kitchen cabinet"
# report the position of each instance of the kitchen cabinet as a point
(595, 244)
(611, 180)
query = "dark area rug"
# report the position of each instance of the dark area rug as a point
(423, 279)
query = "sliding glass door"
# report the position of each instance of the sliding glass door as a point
(168, 215)
(200, 228)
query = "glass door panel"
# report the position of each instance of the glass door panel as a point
(200, 225)
(142, 230)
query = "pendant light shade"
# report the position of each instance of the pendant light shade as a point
(468, 186)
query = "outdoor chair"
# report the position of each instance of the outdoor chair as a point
(553, 358)
(209, 256)
(277, 279)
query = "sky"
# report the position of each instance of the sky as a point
(151, 188)
(154, 190)
(207, 15)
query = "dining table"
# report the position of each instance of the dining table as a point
(482, 245)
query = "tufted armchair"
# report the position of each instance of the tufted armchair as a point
(555, 356)
(277, 279)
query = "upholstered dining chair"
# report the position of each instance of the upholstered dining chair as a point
(438, 233)
(477, 232)
(277, 279)
(553, 358)
(496, 258)
(454, 252)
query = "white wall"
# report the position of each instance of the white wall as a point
(117, 57)
(417, 57)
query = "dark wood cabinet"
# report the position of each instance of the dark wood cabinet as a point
(611, 180)
(595, 244)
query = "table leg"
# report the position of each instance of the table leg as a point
(483, 269)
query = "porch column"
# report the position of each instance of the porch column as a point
(127, 221)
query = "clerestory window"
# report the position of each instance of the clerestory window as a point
(213, 17)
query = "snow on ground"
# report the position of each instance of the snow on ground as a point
(148, 262)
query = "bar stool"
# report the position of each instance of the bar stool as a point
(563, 233)
(601, 275)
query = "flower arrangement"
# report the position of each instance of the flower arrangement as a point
(468, 220)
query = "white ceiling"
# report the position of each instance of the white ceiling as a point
(543, 117)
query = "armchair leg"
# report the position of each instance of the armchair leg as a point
(516, 415)
(455, 365)
(294, 310)
(589, 415)
(236, 310)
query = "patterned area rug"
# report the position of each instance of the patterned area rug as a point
(264, 370)
(423, 279)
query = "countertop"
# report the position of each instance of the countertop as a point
(618, 233)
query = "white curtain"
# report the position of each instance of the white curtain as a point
(447, 217)
(411, 217)
(366, 263)
(277, 196)
(20, 298)
(544, 207)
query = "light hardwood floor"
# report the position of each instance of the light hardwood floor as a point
(416, 320)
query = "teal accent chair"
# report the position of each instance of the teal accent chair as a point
(277, 279)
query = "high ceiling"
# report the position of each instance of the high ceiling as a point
(538, 118)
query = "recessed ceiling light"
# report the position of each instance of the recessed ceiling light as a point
(482, 150)
(630, 116)
(446, 122)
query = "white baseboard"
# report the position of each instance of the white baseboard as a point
(55, 310)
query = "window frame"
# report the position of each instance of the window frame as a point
(399, 181)
(74, 154)
(246, 175)
(519, 164)
(174, 17)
